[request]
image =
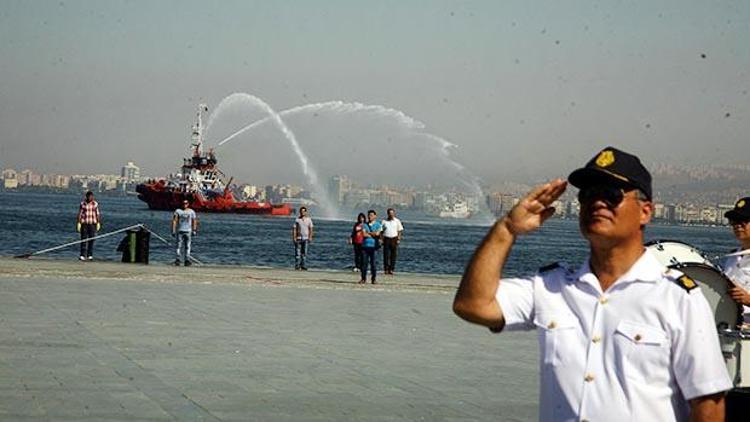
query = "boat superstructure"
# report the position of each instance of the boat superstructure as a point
(201, 182)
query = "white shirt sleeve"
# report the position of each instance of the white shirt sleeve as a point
(697, 361)
(516, 299)
(400, 226)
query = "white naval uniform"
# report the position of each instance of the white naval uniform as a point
(636, 352)
(737, 268)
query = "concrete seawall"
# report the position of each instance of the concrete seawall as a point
(111, 341)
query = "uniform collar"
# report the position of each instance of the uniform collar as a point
(646, 269)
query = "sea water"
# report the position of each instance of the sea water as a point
(35, 221)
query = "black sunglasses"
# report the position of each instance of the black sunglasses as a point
(611, 195)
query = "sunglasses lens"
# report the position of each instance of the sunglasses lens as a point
(610, 195)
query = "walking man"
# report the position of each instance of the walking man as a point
(89, 222)
(184, 227)
(302, 235)
(622, 338)
(371, 231)
(392, 232)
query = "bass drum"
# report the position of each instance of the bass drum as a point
(714, 284)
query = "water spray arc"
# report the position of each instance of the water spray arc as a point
(339, 107)
(406, 122)
(312, 177)
(469, 180)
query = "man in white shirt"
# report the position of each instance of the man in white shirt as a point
(622, 338)
(302, 235)
(392, 232)
(184, 227)
(736, 265)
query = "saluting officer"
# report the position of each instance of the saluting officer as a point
(622, 337)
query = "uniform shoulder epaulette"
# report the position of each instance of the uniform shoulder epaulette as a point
(686, 282)
(549, 267)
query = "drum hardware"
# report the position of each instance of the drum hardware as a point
(734, 338)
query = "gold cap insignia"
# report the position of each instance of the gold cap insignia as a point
(740, 203)
(605, 158)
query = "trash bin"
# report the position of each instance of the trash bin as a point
(142, 241)
(135, 246)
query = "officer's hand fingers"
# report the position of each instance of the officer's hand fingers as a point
(537, 192)
(552, 191)
(547, 213)
(559, 188)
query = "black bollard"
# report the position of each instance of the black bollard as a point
(142, 240)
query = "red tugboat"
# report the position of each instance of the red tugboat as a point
(202, 183)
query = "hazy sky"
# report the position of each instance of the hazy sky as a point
(526, 89)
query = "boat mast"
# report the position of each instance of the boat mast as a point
(197, 143)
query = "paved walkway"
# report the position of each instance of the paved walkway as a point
(107, 341)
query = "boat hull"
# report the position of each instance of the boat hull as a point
(158, 197)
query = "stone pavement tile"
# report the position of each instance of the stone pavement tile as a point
(138, 405)
(227, 351)
(20, 402)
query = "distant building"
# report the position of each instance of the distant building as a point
(10, 179)
(277, 193)
(709, 215)
(10, 174)
(500, 203)
(25, 177)
(338, 186)
(249, 192)
(659, 210)
(357, 197)
(670, 213)
(130, 172)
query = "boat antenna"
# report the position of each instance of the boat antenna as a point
(197, 143)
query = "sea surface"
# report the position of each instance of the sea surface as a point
(35, 221)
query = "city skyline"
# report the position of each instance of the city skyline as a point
(346, 193)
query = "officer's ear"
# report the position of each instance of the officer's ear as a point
(647, 211)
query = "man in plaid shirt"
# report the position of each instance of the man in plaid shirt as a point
(89, 222)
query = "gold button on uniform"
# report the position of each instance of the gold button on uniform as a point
(596, 339)
(589, 377)
(603, 300)
(552, 325)
(638, 337)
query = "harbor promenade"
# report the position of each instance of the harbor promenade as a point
(106, 341)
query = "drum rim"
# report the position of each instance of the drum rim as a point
(702, 265)
(652, 244)
(655, 242)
